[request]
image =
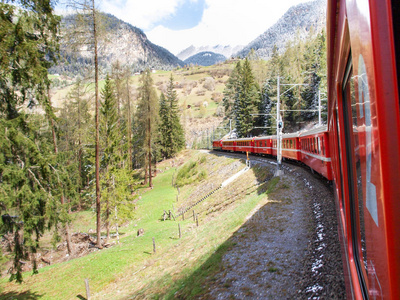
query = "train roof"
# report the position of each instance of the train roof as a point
(244, 139)
(264, 137)
(315, 130)
(290, 135)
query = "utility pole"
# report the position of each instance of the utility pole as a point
(279, 124)
(319, 108)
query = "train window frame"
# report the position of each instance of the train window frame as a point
(354, 214)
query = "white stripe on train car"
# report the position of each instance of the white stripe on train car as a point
(323, 158)
(263, 148)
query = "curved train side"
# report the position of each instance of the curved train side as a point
(359, 150)
(309, 147)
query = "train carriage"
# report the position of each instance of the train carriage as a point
(245, 145)
(263, 145)
(217, 145)
(228, 145)
(291, 146)
(315, 151)
(364, 130)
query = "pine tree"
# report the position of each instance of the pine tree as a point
(146, 116)
(76, 126)
(163, 127)
(110, 138)
(247, 101)
(172, 138)
(28, 47)
(231, 91)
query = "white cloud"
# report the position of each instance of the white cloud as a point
(225, 22)
(141, 13)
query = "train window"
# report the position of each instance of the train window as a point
(354, 117)
(315, 145)
(319, 145)
(323, 146)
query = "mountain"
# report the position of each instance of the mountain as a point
(226, 51)
(205, 58)
(298, 21)
(123, 42)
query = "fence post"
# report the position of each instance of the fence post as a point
(87, 289)
(154, 246)
(179, 227)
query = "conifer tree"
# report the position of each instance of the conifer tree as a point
(163, 126)
(28, 47)
(246, 102)
(172, 138)
(76, 129)
(110, 138)
(146, 116)
(231, 91)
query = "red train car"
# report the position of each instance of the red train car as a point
(315, 151)
(245, 145)
(217, 145)
(263, 145)
(228, 145)
(364, 131)
(291, 146)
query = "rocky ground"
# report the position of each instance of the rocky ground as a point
(289, 248)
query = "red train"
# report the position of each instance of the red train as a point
(359, 150)
(364, 136)
(309, 147)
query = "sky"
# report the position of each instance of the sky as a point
(178, 24)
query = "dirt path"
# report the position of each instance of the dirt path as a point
(288, 248)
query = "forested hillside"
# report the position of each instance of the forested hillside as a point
(251, 92)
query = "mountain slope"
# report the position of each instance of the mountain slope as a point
(298, 21)
(123, 42)
(205, 59)
(226, 51)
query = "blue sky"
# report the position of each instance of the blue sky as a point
(177, 24)
(186, 16)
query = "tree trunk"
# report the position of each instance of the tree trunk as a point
(129, 131)
(80, 181)
(67, 235)
(97, 159)
(150, 177)
(107, 219)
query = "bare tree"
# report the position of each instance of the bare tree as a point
(84, 36)
(147, 120)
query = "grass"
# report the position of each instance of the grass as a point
(179, 268)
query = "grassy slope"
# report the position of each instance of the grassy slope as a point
(179, 265)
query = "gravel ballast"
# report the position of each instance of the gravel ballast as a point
(288, 248)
